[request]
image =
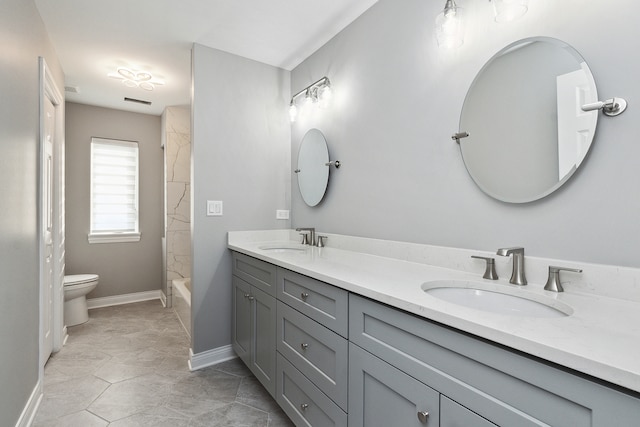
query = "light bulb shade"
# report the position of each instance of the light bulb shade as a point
(509, 10)
(450, 27)
(325, 93)
(126, 73)
(293, 112)
(146, 85)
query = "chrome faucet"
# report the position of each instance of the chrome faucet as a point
(517, 274)
(312, 234)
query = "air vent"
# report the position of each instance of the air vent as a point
(139, 101)
(72, 89)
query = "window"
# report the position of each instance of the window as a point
(114, 191)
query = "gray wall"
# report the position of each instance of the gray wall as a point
(123, 267)
(240, 155)
(23, 39)
(398, 100)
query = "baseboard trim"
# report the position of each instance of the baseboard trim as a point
(163, 299)
(31, 408)
(210, 357)
(122, 299)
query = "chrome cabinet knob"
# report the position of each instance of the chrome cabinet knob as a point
(304, 406)
(422, 416)
(304, 296)
(247, 295)
(251, 298)
(304, 346)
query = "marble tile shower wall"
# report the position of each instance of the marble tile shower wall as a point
(178, 170)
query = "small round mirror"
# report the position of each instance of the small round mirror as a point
(527, 131)
(313, 171)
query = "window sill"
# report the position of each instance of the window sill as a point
(113, 238)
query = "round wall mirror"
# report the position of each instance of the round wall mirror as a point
(527, 131)
(313, 171)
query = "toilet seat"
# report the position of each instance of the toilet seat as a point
(79, 279)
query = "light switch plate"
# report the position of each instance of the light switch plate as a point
(214, 207)
(282, 214)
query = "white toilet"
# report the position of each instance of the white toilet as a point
(76, 288)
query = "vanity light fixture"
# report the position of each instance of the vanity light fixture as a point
(318, 92)
(134, 78)
(509, 10)
(450, 26)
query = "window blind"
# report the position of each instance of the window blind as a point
(114, 186)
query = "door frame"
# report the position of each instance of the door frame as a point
(49, 90)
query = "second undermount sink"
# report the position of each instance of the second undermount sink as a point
(284, 247)
(491, 298)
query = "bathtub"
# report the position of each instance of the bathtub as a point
(182, 302)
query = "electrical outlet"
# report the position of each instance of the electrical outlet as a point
(214, 207)
(282, 214)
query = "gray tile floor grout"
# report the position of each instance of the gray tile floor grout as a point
(127, 366)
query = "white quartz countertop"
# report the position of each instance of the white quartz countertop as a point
(600, 338)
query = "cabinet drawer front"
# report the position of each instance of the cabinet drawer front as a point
(322, 302)
(258, 273)
(455, 415)
(303, 402)
(382, 396)
(317, 352)
(504, 387)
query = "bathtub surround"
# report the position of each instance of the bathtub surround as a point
(24, 39)
(176, 128)
(124, 268)
(240, 155)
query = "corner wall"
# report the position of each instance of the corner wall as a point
(24, 38)
(397, 101)
(241, 156)
(123, 267)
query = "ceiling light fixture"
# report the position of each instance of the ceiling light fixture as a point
(134, 78)
(318, 92)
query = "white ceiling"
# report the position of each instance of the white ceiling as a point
(94, 37)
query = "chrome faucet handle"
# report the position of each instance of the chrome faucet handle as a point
(305, 238)
(320, 242)
(517, 274)
(490, 270)
(553, 282)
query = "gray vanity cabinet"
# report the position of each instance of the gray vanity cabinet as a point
(381, 395)
(500, 385)
(254, 318)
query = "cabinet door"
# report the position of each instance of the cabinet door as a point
(241, 319)
(382, 396)
(455, 415)
(263, 336)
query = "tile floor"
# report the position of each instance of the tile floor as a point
(127, 366)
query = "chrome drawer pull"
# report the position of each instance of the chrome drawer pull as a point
(304, 346)
(304, 296)
(422, 416)
(304, 406)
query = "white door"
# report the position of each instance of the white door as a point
(574, 125)
(47, 228)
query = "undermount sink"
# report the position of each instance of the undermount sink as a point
(284, 247)
(487, 297)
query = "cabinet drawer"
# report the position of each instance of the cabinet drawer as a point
(303, 402)
(322, 302)
(258, 273)
(505, 387)
(454, 415)
(382, 396)
(320, 354)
